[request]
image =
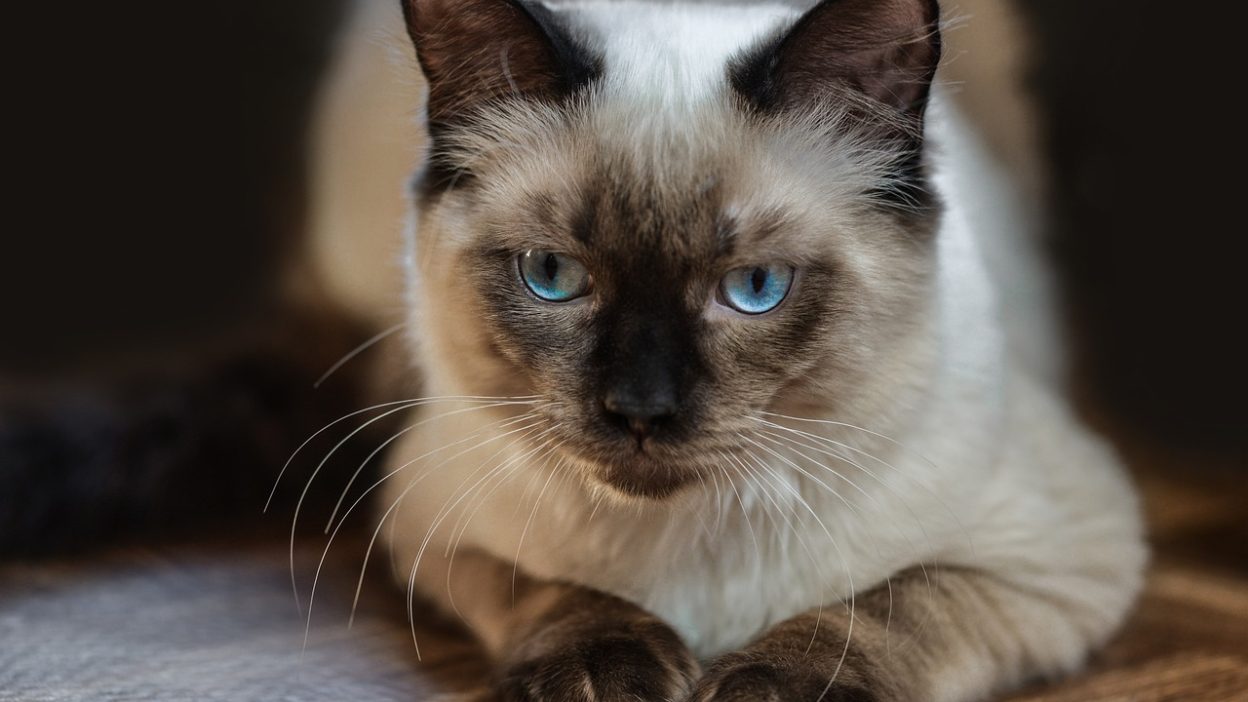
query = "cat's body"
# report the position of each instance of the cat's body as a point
(895, 455)
(954, 488)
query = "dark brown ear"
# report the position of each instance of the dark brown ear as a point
(873, 58)
(884, 50)
(477, 51)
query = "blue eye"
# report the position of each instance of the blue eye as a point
(756, 289)
(552, 276)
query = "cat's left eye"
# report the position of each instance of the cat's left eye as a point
(553, 277)
(756, 289)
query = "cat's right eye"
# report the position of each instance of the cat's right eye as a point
(553, 277)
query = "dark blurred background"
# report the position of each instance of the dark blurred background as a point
(1147, 183)
(153, 375)
(158, 176)
(157, 162)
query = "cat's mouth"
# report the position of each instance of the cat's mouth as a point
(650, 466)
(640, 473)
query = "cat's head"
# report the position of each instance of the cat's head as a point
(663, 220)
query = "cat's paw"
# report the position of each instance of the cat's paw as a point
(639, 660)
(744, 677)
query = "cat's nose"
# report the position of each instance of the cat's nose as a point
(641, 416)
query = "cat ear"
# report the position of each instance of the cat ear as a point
(884, 50)
(477, 51)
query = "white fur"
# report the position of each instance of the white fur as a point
(677, 52)
(989, 471)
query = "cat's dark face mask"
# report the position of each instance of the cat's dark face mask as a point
(654, 325)
(659, 317)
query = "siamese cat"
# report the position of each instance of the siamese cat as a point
(726, 397)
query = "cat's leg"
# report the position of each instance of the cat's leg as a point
(945, 636)
(555, 642)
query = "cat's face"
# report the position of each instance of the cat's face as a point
(659, 275)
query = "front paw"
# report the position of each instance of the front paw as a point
(640, 660)
(747, 677)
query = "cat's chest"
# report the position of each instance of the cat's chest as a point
(721, 566)
(720, 576)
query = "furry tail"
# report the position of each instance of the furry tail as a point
(162, 455)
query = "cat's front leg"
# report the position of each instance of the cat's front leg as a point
(556, 642)
(797, 662)
(940, 636)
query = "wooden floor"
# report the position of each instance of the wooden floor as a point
(218, 622)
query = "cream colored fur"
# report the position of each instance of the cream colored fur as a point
(985, 467)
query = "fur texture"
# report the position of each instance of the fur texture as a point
(866, 493)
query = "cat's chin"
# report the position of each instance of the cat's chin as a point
(643, 479)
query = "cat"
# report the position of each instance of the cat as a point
(725, 398)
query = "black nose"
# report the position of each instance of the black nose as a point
(641, 416)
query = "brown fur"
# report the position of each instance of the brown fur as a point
(473, 51)
(659, 203)
(898, 629)
(555, 641)
(658, 240)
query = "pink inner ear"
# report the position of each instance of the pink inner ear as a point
(884, 49)
(477, 51)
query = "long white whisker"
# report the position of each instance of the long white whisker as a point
(906, 505)
(294, 523)
(897, 471)
(921, 561)
(499, 478)
(801, 539)
(414, 402)
(453, 542)
(406, 403)
(598, 500)
(356, 352)
(282, 472)
(520, 545)
(785, 443)
(919, 522)
(849, 505)
(398, 501)
(890, 440)
(758, 551)
(360, 499)
(502, 423)
(849, 575)
(706, 492)
(443, 513)
(527, 430)
(719, 501)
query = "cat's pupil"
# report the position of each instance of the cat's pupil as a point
(758, 280)
(552, 266)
